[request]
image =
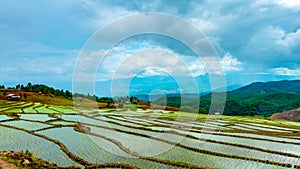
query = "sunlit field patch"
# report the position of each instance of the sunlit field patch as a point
(63, 109)
(44, 109)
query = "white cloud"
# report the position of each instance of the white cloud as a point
(229, 63)
(224, 65)
(197, 68)
(151, 61)
(151, 71)
(295, 4)
(148, 61)
(205, 25)
(287, 41)
(159, 58)
(261, 33)
(272, 43)
(286, 71)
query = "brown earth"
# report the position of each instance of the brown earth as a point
(37, 97)
(293, 115)
(25, 161)
(6, 165)
(51, 99)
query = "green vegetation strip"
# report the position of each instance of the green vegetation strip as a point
(63, 110)
(12, 105)
(26, 106)
(36, 107)
(19, 106)
(6, 104)
(48, 107)
(44, 109)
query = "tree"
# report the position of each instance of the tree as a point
(186, 108)
(18, 86)
(135, 102)
(68, 94)
(29, 86)
(110, 104)
(131, 98)
(201, 110)
(47, 91)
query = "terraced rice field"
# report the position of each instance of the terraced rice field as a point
(147, 138)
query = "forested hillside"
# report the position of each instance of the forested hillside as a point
(255, 99)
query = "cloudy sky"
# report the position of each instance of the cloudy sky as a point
(256, 40)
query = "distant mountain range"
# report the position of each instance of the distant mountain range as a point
(154, 97)
(255, 99)
(291, 86)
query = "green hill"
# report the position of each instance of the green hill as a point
(290, 86)
(257, 98)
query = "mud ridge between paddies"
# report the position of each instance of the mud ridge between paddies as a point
(20, 160)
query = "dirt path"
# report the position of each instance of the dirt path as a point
(5, 165)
